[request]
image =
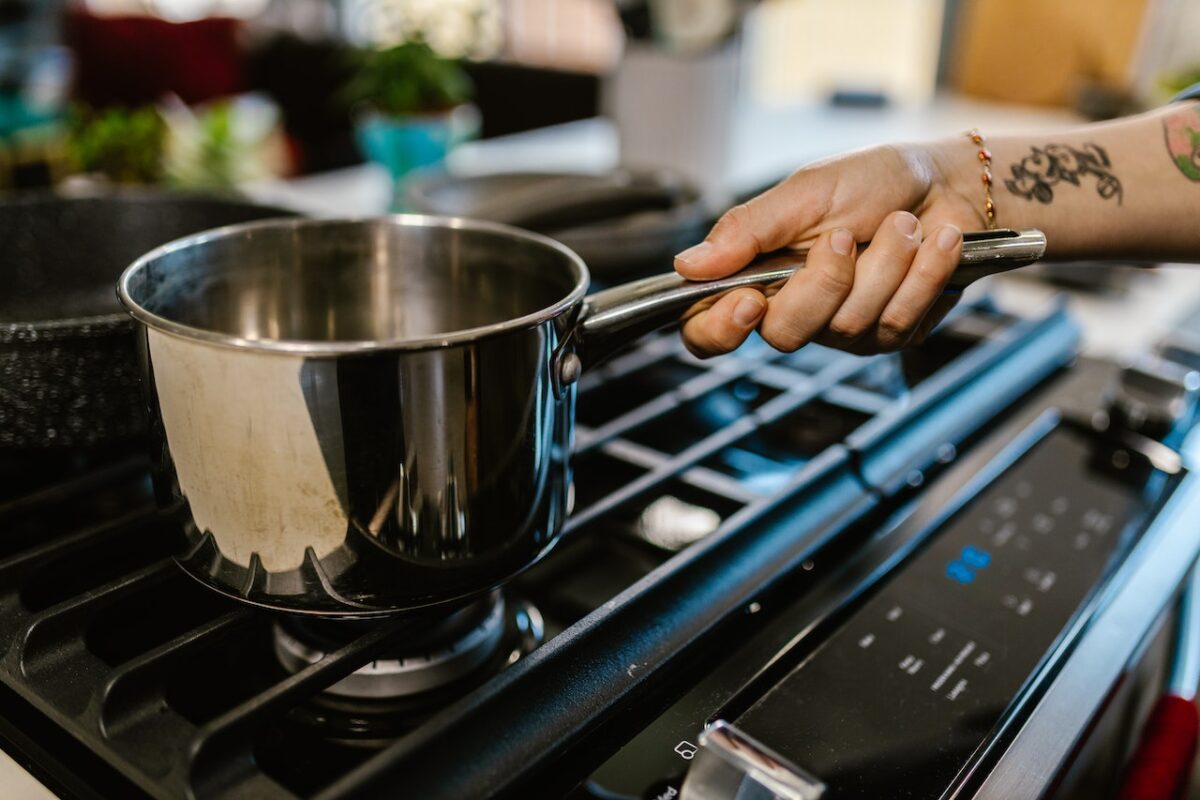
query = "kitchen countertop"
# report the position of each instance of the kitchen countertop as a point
(19, 784)
(1116, 325)
(768, 142)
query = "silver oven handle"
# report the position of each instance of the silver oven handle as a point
(731, 765)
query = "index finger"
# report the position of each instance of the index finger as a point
(760, 225)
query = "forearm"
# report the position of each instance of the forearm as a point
(1129, 188)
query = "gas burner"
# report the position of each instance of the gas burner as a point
(443, 659)
(440, 651)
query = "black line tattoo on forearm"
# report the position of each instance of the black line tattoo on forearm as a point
(1035, 176)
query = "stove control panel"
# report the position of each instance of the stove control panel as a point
(914, 681)
(948, 648)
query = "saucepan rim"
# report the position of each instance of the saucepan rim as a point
(333, 348)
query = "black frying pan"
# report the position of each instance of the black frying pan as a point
(621, 223)
(68, 371)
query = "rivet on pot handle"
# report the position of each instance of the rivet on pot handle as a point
(568, 368)
(614, 317)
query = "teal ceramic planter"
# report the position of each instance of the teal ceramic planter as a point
(404, 143)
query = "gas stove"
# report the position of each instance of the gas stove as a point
(804, 575)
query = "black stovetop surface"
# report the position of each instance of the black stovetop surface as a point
(119, 676)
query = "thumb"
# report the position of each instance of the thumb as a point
(758, 226)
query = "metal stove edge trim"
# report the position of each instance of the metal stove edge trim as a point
(1140, 593)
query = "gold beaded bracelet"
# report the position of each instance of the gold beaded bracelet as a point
(985, 158)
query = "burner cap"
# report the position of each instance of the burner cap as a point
(441, 654)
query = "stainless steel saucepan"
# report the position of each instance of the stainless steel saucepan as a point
(358, 417)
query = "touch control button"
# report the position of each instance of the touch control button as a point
(1006, 533)
(1021, 605)
(1043, 579)
(945, 675)
(1097, 521)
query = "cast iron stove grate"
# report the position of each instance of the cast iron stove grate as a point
(121, 677)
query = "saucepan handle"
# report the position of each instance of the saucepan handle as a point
(613, 317)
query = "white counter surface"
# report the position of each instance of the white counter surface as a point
(1119, 325)
(17, 784)
(767, 144)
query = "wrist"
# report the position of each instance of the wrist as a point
(957, 181)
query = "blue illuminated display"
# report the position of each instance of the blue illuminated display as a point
(972, 556)
(970, 561)
(960, 572)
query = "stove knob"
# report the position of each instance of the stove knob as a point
(1182, 347)
(732, 766)
(1155, 398)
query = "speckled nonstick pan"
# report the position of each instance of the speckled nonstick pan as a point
(68, 369)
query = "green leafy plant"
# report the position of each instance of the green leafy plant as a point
(218, 147)
(409, 78)
(126, 145)
(203, 151)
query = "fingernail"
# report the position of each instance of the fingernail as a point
(947, 237)
(747, 311)
(696, 253)
(906, 224)
(842, 242)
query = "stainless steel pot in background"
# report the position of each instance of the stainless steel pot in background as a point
(364, 416)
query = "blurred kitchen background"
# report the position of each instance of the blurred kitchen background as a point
(674, 108)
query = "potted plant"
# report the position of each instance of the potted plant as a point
(411, 106)
(117, 145)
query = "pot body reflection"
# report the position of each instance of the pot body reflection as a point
(328, 435)
(364, 484)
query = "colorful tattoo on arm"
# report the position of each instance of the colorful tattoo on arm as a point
(1035, 176)
(1182, 132)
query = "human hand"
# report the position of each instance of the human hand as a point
(905, 200)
